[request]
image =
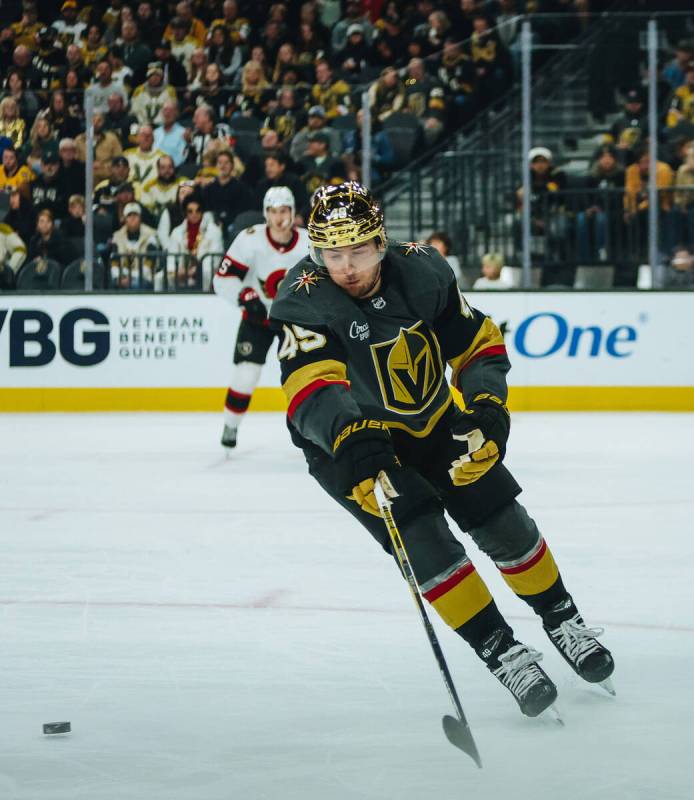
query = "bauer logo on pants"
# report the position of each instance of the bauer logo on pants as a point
(409, 369)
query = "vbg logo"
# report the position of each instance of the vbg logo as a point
(31, 343)
(547, 333)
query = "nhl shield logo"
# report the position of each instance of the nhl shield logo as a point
(409, 369)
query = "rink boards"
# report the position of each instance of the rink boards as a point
(570, 351)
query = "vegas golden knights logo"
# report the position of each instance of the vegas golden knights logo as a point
(409, 369)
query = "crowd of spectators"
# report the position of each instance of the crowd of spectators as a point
(602, 216)
(202, 105)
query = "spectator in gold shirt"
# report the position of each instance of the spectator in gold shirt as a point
(12, 175)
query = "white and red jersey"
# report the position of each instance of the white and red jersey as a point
(254, 259)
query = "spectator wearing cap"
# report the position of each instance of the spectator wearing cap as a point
(675, 70)
(316, 121)
(630, 128)
(47, 241)
(277, 172)
(143, 157)
(387, 94)
(425, 98)
(353, 16)
(226, 196)
(333, 95)
(174, 72)
(194, 247)
(194, 27)
(12, 174)
(159, 191)
(148, 99)
(356, 53)
(106, 191)
(13, 251)
(389, 44)
(548, 221)
(104, 86)
(318, 167)
(136, 54)
(47, 191)
(182, 44)
(682, 101)
(131, 244)
(69, 28)
(48, 62)
(599, 221)
(170, 136)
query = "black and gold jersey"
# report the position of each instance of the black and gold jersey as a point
(385, 357)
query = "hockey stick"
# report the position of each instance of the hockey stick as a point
(457, 730)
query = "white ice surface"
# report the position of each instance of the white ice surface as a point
(220, 630)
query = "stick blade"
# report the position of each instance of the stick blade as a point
(460, 736)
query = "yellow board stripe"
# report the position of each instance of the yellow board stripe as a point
(521, 398)
(460, 604)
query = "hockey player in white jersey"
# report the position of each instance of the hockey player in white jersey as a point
(249, 275)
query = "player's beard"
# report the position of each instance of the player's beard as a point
(359, 293)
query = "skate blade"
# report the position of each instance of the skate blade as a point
(608, 687)
(552, 713)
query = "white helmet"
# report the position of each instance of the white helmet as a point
(277, 196)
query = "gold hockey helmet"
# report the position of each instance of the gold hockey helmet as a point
(342, 215)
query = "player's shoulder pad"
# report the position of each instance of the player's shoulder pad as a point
(307, 297)
(250, 230)
(421, 263)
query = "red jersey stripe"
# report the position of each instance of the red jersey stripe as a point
(493, 350)
(300, 396)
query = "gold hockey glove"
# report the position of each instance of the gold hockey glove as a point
(483, 431)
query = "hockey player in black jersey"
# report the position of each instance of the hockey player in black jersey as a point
(368, 329)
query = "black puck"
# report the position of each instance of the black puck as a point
(50, 728)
